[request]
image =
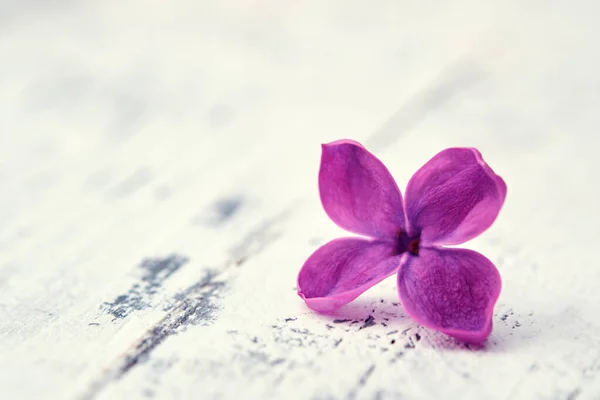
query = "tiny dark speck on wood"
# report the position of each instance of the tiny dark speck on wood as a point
(370, 321)
(574, 394)
(222, 210)
(340, 321)
(154, 272)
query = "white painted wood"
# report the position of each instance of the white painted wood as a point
(187, 134)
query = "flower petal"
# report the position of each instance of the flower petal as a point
(339, 271)
(450, 290)
(358, 192)
(454, 197)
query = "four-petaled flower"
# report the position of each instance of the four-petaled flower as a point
(453, 198)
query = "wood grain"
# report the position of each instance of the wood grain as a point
(158, 166)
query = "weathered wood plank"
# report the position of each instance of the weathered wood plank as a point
(158, 175)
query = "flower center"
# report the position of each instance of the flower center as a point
(413, 246)
(408, 243)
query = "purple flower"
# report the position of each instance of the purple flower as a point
(453, 198)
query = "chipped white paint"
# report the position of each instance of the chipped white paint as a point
(133, 130)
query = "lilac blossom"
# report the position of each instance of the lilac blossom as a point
(453, 198)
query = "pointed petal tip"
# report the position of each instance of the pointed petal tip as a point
(489, 171)
(342, 269)
(453, 291)
(340, 142)
(358, 192)
(454, 197)
(466, 336)
(323, 305)
(472, 337)
(327, 148)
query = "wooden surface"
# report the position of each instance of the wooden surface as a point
(158, 166)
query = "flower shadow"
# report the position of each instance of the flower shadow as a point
(382, 311)
(387, 317)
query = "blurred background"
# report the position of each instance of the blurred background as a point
(138, 127)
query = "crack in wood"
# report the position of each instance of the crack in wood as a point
(191, 311)
(362, 380)
(197, 305)
(256, 240)
(194, 305)
(155, 272)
